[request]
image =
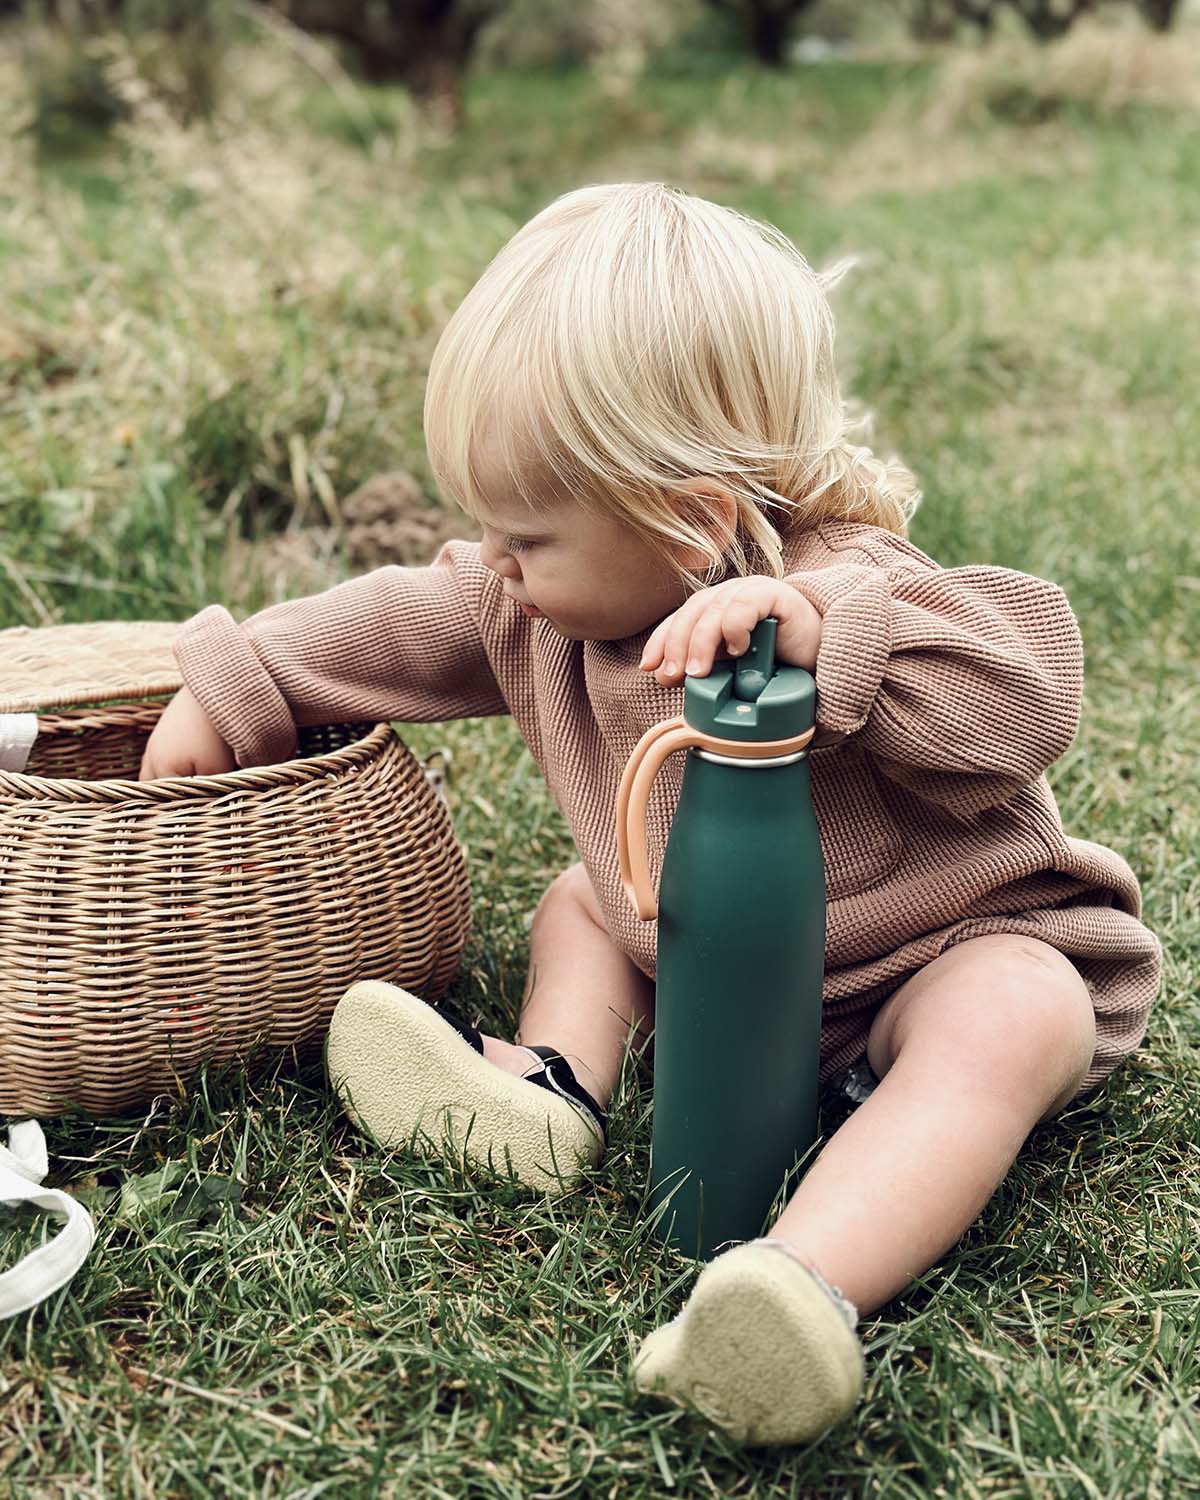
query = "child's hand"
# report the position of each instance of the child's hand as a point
(690, 639)
(184, 743)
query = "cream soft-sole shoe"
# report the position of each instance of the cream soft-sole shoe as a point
(759, 1349)
(406, 1075)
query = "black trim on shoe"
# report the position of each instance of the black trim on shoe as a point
(558, 1076)
(468, 1033)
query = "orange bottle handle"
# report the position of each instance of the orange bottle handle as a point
(633, 795)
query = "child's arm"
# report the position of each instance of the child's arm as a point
(398, 643)
(964, 684)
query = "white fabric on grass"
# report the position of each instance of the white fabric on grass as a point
(17, 734)
(43, 1271)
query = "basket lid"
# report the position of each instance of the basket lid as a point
(60, 666)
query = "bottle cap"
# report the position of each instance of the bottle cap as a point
(748, 697)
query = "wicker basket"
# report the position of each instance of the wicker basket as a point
(145, 926)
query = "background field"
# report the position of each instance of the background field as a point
(208, 339)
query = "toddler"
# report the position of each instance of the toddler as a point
(638, 404)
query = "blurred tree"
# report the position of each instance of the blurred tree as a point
(1051, 18)
(1159, 14)
(548, 33)
(424, 44)
(81, 55)
(767, 24)
(939, 20)
(180, 49)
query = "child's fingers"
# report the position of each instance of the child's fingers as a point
(665, 649)
(654, 650)
(693, 633)
(724, 621)
(671, 650)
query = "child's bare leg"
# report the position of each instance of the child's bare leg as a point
(987, 1040)
(582, 993)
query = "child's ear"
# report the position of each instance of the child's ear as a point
(703, 503)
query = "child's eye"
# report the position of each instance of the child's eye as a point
(516, 544)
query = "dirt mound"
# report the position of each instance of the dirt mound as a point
(385, 520)
(389, 520)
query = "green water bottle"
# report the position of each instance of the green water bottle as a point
(741, 945)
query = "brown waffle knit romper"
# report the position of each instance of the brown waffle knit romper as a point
(942, 696)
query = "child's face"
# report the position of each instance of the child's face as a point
(593, 578)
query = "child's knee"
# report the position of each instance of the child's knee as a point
(1011, 1009)
(1041, 1031)
(574, 885)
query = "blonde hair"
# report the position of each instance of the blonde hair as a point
(632, 340)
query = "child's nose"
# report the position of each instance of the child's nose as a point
(498, 560)
(488, 554)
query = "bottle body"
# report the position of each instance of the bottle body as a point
(741, 955)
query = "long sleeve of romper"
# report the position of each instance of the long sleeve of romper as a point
(397, 643)
(963, 684)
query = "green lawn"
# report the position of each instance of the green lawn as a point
(207, 337)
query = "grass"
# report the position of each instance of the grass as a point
(203, 332)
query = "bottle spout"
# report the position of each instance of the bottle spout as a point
(754, 668)
(754, 697)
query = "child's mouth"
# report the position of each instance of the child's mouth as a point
(530, 611)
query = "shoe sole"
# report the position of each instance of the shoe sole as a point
(759, 1350)
(408, 1079)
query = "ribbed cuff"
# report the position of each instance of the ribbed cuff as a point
(235, 690)
(856, 641)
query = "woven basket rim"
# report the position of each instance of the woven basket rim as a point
(295, 772)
